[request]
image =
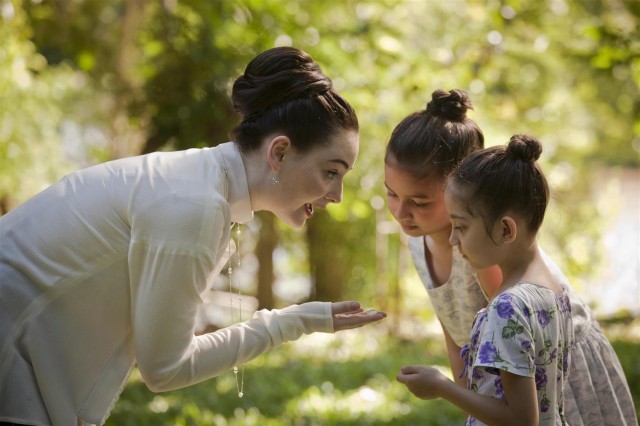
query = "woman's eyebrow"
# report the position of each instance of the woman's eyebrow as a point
(344, 163)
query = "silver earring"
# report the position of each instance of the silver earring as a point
(275, 180)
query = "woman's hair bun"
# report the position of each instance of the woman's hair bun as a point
(451, 105)
(524, 147)
(277, 75)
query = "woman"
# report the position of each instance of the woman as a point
(107, 267)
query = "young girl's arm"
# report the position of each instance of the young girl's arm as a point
(519, 406)
(456, 362)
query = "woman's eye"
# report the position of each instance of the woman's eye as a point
(391, 194)
(332, 174)
(417, 204)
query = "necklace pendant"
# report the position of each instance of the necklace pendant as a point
(240, 394)
(235, 370)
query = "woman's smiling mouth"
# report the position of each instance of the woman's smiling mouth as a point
(308, 209)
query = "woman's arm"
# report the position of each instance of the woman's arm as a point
(519, 406)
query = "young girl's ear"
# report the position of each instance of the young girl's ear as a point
(278, 147)
(507, 230)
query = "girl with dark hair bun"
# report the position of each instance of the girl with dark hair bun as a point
(422, 151)
(108, 267)
(518, 355)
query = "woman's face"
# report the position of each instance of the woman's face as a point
(314, 179)
(418, 205)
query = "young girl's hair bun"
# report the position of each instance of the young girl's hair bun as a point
(524, 148)
(277, 76)
(451, 105)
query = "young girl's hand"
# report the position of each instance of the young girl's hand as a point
(423, 381)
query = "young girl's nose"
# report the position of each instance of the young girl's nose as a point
(402, 211)
(453, 239)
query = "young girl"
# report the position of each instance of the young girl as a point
(422, 151)
(518, 356)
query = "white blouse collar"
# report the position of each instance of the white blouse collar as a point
(229, 158)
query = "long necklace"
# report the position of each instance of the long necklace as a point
(238, 293)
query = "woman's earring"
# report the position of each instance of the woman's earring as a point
(275, 179)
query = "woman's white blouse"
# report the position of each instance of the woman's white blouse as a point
(107, 267)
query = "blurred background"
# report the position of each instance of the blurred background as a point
(87, 81)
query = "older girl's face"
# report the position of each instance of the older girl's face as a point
(418, 205)
(314, 178)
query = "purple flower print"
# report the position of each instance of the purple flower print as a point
(541, 377)
(526, 311)
(499, 389)
(526, 345)
(544, 317)
(565, 361)
(554, 353)
(488, 352)
(505, 309)
(477, 374)
(565, 304)
(464, 354)
(544, 404)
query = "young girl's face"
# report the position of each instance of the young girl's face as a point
(418, 205)
(468, 232)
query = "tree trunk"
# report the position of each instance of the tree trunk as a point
(328, 260)
(267, 242)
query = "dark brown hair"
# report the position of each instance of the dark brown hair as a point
(431, 142)
(284, 90)
(503, 178)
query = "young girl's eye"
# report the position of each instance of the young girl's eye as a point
(332, 174)
(458, 228)
(417, 204)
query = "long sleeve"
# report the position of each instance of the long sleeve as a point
(168, 353)
(168, 273)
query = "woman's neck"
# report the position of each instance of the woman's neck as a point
(258, 179)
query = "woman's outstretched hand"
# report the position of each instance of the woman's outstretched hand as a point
(347, 315)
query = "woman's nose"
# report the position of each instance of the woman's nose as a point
(335, 195)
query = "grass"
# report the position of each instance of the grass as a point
(346, 379)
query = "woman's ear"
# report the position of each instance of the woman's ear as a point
(507, 230)
(279, 146)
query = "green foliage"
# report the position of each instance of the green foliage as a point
(33, 99)
(347, 379)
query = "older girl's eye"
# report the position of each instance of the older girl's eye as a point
(332, 173)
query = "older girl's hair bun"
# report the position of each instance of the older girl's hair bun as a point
(278, 75)
(524, 147)
(451, 105)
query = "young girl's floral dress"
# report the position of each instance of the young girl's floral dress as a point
(526, 330)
